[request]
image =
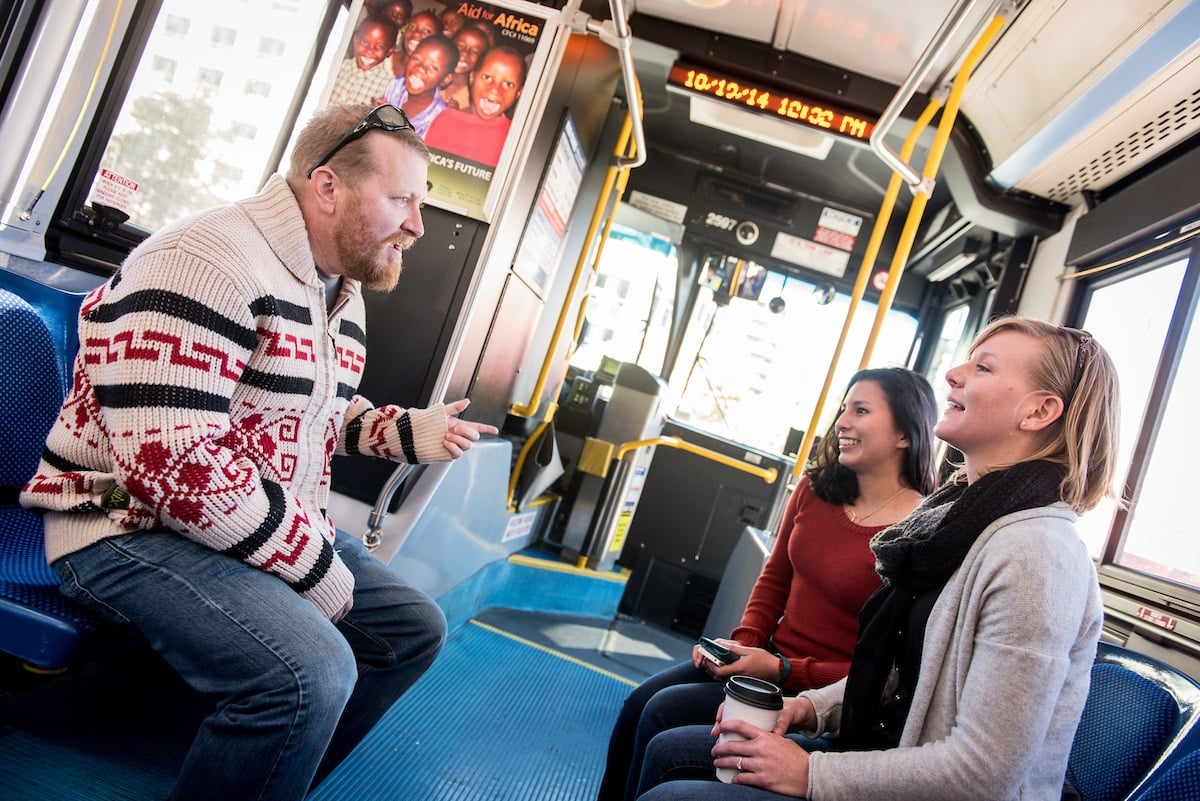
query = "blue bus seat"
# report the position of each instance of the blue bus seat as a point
(37, 624)
(1137, 713)
(1179, 782)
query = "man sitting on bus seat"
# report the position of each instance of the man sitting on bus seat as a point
(186, 481)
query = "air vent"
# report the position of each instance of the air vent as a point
(1151, 140)
(747, 200)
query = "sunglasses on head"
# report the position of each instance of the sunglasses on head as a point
(1083, 347)
(384, 118)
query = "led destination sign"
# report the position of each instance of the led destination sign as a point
(769, 100)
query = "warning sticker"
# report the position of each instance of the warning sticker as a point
(828, 236)
(114, 190)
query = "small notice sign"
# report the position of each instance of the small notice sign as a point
(114, 190)
(519, 525)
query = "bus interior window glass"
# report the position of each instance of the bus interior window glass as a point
(194, 129)
(1161, 540)
(1135, 343)
(950, 350)
(631, 302)
(761, 362)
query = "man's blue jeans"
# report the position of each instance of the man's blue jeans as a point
(679, 767)
(293, 691)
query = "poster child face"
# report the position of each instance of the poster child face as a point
(471, 43)
(373, 43)
(423, 25)
(430, 65)
(497, 82)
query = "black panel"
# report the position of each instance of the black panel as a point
(688, 520)
(1156, 203)
(408, 333)
(965, 171)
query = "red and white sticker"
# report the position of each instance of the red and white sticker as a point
(114, 190)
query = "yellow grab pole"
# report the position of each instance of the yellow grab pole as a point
(932, 164)
(767, 474)
(610, 179)
(864, 272)
(523, 454)
(618, 193)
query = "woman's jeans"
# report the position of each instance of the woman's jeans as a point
(293, 691)
(678, 696)
(679, 767)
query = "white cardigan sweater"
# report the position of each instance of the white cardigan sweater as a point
(1005, 672)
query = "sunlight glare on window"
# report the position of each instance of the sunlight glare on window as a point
(191, 134)
(1135, 343)
(1161, 537)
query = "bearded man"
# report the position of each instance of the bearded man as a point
(185, 483)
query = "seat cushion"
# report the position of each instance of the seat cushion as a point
(1127, 722)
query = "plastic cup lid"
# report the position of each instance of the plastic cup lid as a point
(755, 692)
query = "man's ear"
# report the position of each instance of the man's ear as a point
(325, 184)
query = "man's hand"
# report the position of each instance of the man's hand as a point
(462, 434)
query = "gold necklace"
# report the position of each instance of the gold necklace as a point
(855, 518)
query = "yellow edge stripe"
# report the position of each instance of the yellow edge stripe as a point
(546, 564)
(553, 652)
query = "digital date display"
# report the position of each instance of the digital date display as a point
(767, 100)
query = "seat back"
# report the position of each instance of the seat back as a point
(37, 624)
(1138, 710)
(1179, 782)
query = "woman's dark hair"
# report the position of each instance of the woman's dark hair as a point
(914, 411)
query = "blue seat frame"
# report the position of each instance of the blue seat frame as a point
(1138, 713)
(37, 624)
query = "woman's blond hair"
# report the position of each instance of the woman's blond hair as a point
(1073, 366)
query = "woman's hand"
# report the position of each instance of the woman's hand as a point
(763, 759)
(757, 662)
(798, 714)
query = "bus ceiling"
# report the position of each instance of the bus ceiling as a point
(1035, 133)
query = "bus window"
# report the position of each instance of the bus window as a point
(949, 350)
(631, 302)
(761, 362)
(1136, 343)
(1160, 539)
(206, 106)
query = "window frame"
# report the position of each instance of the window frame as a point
(1140, 595)
(71, 237)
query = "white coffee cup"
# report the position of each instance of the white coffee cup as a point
(753, 700)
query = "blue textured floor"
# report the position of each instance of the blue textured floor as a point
(544, 690)
(540, 735)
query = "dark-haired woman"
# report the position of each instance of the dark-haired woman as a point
(874, 465)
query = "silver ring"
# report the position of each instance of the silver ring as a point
(739, 764)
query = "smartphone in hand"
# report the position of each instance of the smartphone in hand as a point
(716, 653)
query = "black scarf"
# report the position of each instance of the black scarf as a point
(915, 558)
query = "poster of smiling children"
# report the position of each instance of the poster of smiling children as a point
(458, 69)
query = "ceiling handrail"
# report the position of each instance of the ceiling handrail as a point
(918, 183)
(616, 33)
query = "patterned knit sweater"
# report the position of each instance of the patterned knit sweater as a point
(210, 393)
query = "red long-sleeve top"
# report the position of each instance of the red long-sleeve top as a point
(805, 604)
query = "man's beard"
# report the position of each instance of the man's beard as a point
(366, 261)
